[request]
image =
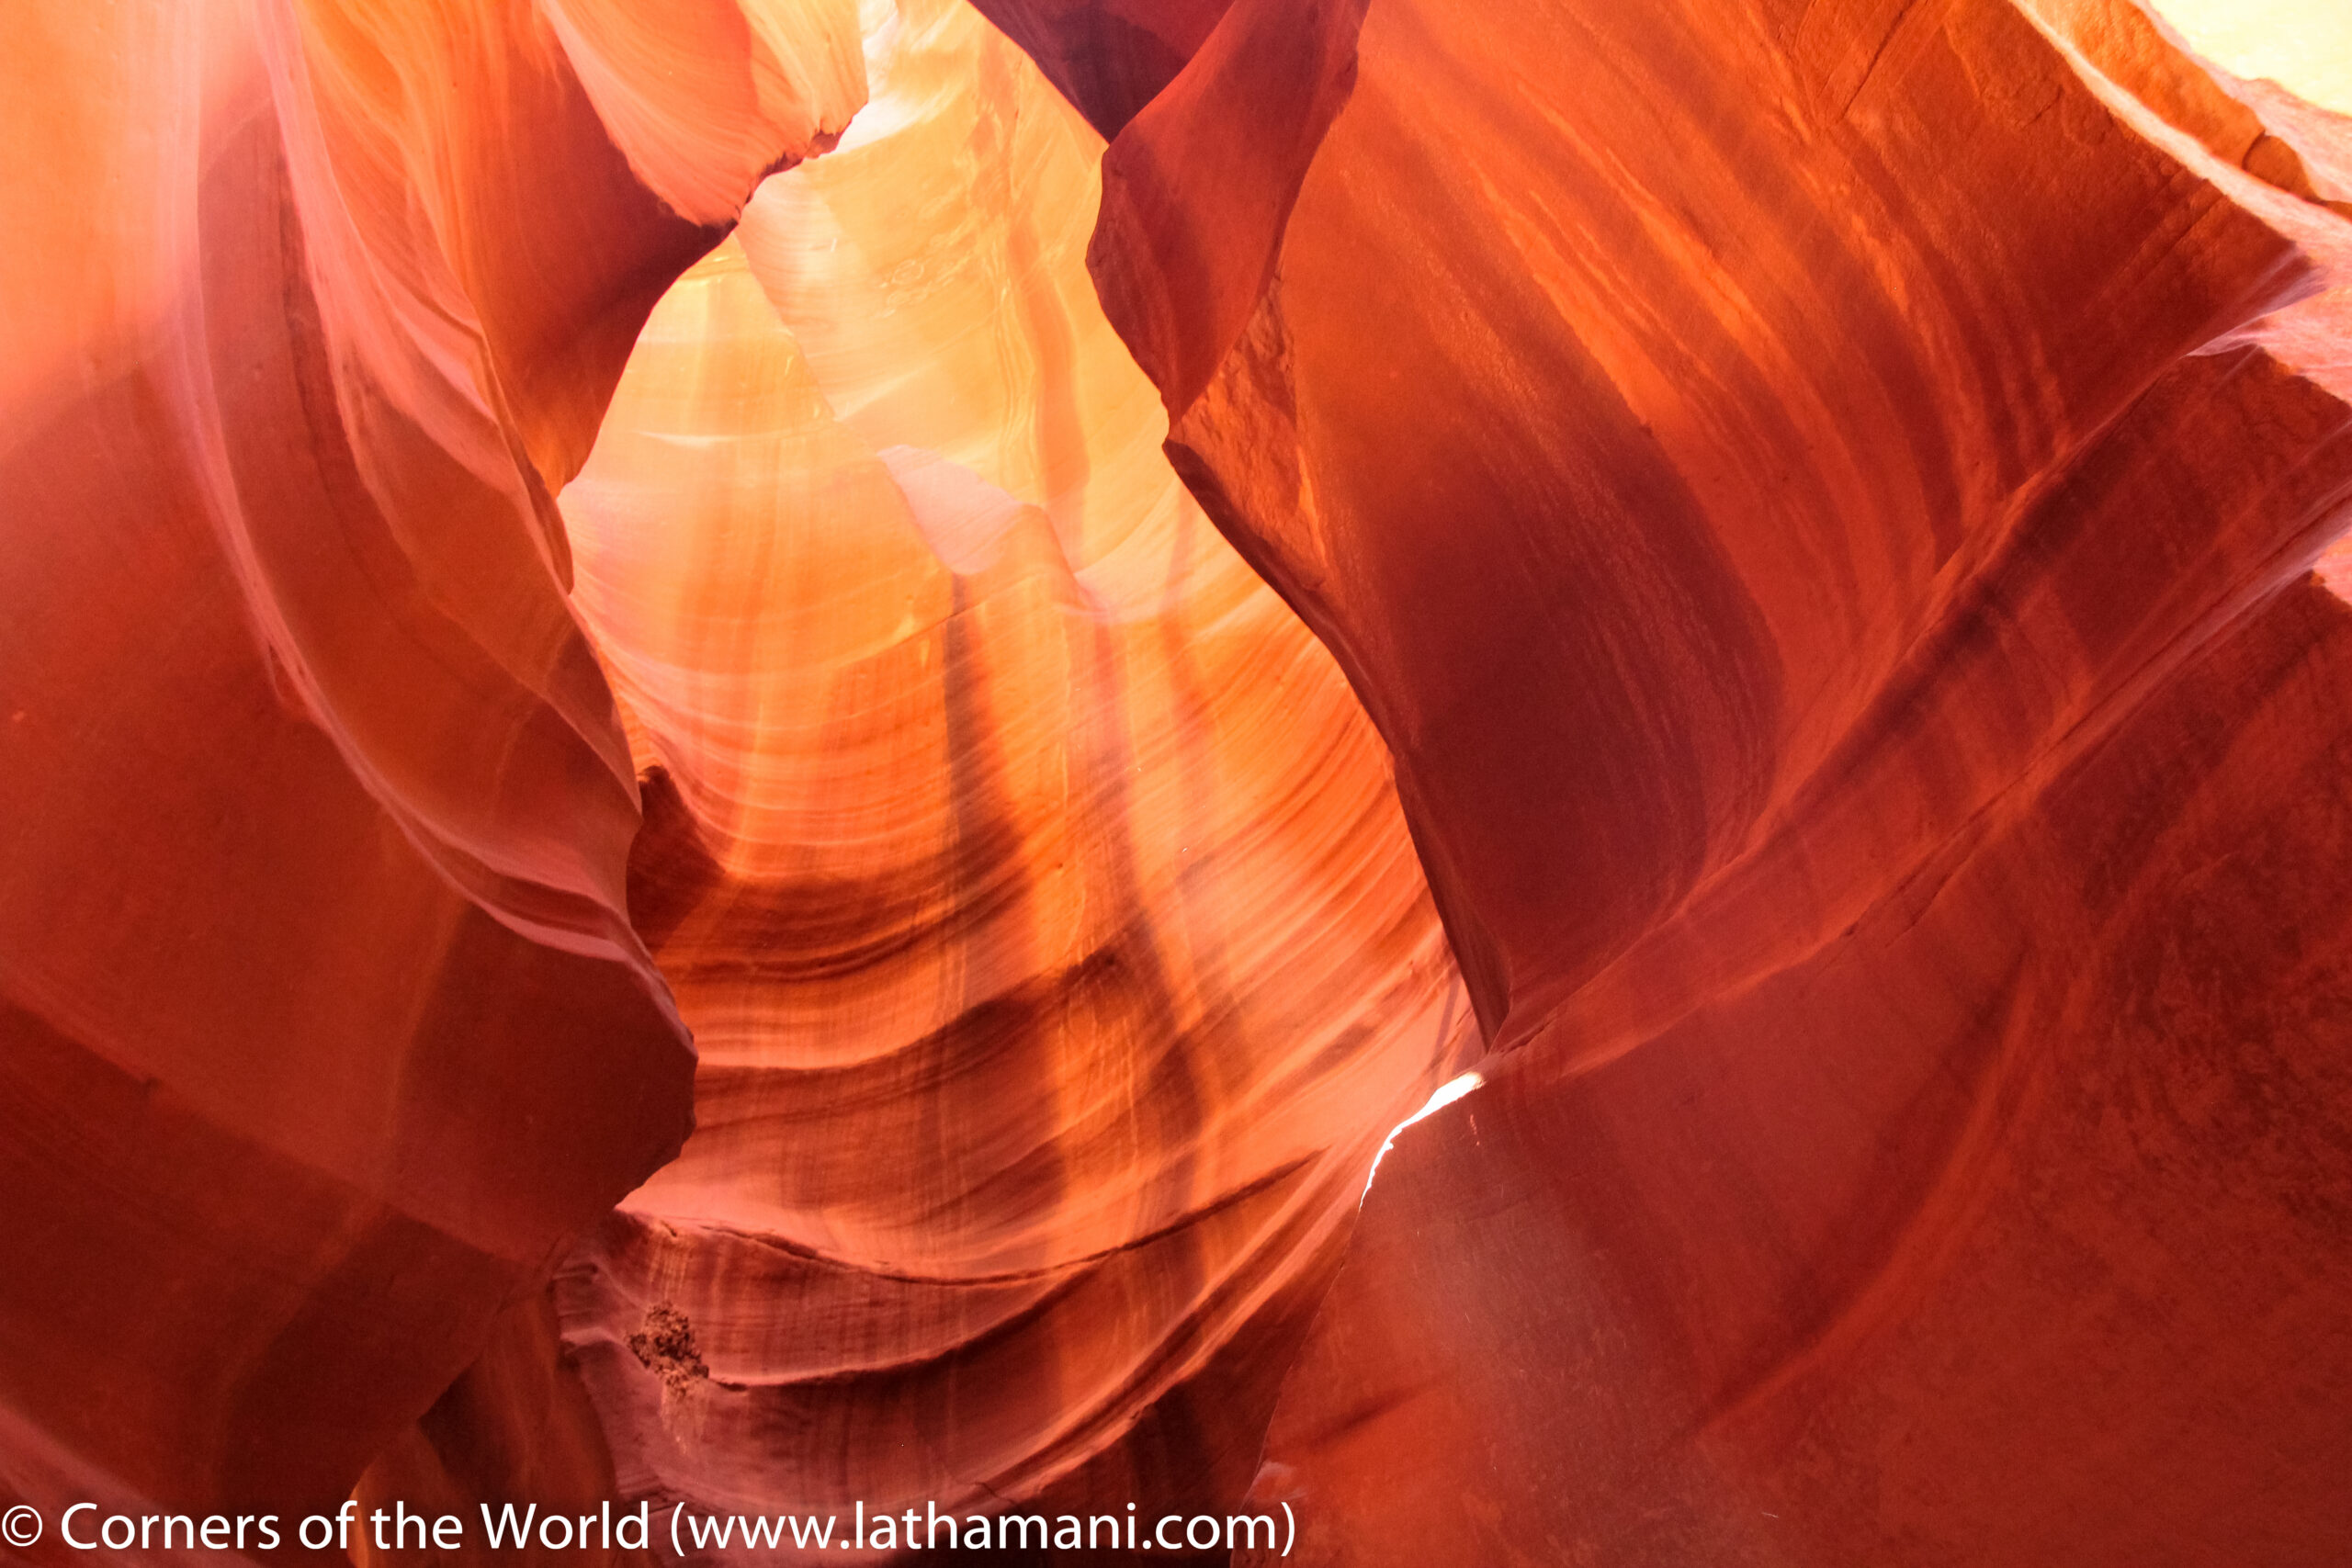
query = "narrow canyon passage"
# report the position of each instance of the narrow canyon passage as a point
(752, 747)
(1033, 887)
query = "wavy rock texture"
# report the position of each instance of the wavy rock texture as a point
(324, 1024)
(1033, 887)
(1818, 497)
(1854, 671)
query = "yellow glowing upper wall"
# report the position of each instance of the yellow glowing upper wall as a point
(2305, 46)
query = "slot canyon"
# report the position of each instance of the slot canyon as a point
(753, 748)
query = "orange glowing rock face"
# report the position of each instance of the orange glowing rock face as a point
(1032, 886)
(324, 1023)
(1853, 666)
(648, 861)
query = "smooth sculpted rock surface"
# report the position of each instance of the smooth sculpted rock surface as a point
(1033, 887)
(1820, 500)
(323, 1025)
(787, 850)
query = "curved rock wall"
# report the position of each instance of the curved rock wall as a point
(1820, 500)
(324, 1023)
(1033, 887)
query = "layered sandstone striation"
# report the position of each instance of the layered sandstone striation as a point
(647, 864)
(324, 1023)
(1033, 887)
(1820, 502)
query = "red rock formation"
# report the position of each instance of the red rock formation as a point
(1818, 499)
(1108, 57)
(324, 1024)
(1852, 666)
(1032, 886)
